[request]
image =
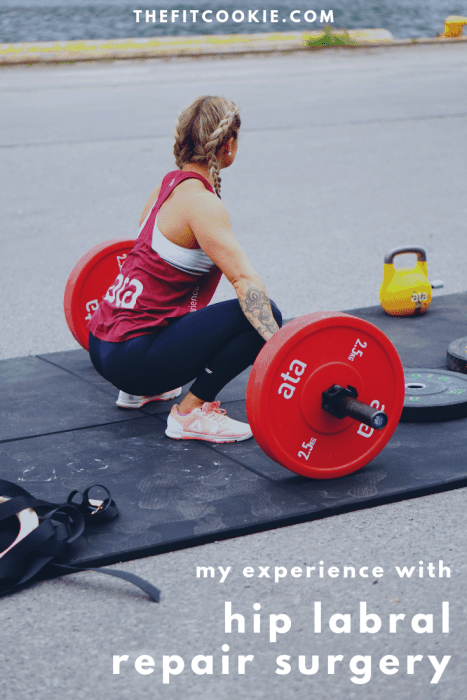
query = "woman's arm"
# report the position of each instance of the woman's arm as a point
(209, 221)
(255, 305)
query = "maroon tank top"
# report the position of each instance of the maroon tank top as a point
(149, 290)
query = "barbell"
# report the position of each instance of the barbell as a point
(325, 393)
(302, 393)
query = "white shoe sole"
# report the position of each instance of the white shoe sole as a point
(167, 396)
(185, 435)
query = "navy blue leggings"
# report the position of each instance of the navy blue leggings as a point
(211, 346)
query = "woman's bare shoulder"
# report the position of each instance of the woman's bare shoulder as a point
(187, 194)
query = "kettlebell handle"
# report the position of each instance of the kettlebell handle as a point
(420, 253)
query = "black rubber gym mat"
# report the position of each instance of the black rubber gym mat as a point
(422, 341)
(60, 430)
(37, 397)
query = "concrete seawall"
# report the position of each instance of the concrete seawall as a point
(192, 46)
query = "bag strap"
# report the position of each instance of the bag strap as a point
(153, 592)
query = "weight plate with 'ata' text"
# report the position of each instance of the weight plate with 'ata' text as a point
(88, 282)
(284, 395)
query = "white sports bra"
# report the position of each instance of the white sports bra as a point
(192, 260)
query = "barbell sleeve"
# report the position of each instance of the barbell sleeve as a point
(341, 402)
(364, 413)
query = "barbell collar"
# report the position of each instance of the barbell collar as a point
(342, 403)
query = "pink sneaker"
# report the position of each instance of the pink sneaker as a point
(208, 423)
(132, 401)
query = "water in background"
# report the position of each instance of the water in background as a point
(50, 20)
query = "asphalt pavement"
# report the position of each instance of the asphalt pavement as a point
(343, 155)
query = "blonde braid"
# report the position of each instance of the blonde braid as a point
(217, 138)
(177, 130)
(200, 131)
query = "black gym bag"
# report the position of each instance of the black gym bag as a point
(35, 535)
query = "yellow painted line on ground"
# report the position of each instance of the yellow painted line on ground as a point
(168, 47)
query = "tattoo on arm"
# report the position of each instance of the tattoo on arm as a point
(256, 307)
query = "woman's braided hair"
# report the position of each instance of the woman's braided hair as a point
(201, 130)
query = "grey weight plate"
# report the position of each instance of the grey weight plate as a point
(456, 356)
(434, 395)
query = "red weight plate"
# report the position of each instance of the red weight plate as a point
(88, 282)
(303, 359)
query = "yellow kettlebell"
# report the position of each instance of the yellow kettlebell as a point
(406, 291)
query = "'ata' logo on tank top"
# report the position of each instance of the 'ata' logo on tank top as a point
(171, 183)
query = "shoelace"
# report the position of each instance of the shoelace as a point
(213, 411)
